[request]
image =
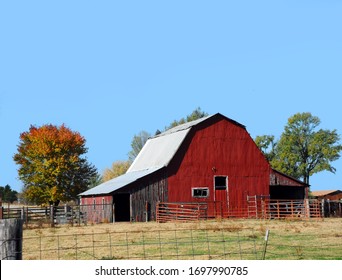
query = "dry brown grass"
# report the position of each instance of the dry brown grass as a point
(227, 239)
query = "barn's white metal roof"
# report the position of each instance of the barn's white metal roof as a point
(159, 150)
(119, 182)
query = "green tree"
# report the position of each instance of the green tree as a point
(95, 181)
(303, 149)
(7, 194)
(195, 115)
(140, 139)
(118, 168)
(137, 143)
(267, 145)
(52, 165)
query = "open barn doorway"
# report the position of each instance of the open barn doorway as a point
(287, 192)
(122, 207)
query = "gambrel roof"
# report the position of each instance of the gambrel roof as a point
(156, 154)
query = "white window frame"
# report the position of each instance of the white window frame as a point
(225, 187)
(199, 188)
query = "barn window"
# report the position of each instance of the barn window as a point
(221, 182)
(200, 192)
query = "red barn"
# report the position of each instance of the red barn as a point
(212, 159)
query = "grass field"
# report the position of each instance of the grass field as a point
(215, 239)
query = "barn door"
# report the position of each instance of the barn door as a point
(221, 194)
(122, 207)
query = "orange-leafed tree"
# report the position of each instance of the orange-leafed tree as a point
(52, 165)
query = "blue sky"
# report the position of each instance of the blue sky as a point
(110, 69)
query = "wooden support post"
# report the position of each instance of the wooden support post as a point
(113, 210)
(11, 238)
(278, 210)
(71, 216)
(52, 216)
(307, 208)
(27, 217)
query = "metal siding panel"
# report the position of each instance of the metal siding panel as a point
(221, 149)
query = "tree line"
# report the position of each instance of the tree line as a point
(53, 166)
(303, 149)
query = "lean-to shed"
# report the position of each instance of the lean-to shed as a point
(212, 159)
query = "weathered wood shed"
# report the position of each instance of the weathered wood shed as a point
(327, 194)
(212, 159)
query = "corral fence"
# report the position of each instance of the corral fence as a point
(65, 214)
(266, 208)
(181, 211)
(260, 207)
(257, 207)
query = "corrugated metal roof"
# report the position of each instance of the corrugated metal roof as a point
(119, 182)
(183, 126)
(160, 149)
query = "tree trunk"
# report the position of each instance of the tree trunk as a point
(11, 239)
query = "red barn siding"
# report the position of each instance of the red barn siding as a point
(223, 148)
(90, 200)
(97, 209)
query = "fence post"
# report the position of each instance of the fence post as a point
(78, 215)
(11, 238)
(157, 211)
(52, 214)
(266, 242)
(307, 208)
(322, 207)
(71, 216)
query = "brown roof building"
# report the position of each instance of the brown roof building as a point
(328, 194)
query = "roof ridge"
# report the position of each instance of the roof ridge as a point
(182, 126)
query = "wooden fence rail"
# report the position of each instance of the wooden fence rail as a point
(259, 207)
(76, 214)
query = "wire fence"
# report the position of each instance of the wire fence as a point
(142, 245)
(183, 244)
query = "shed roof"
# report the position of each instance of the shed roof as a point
(324, 192)
(119, 182)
